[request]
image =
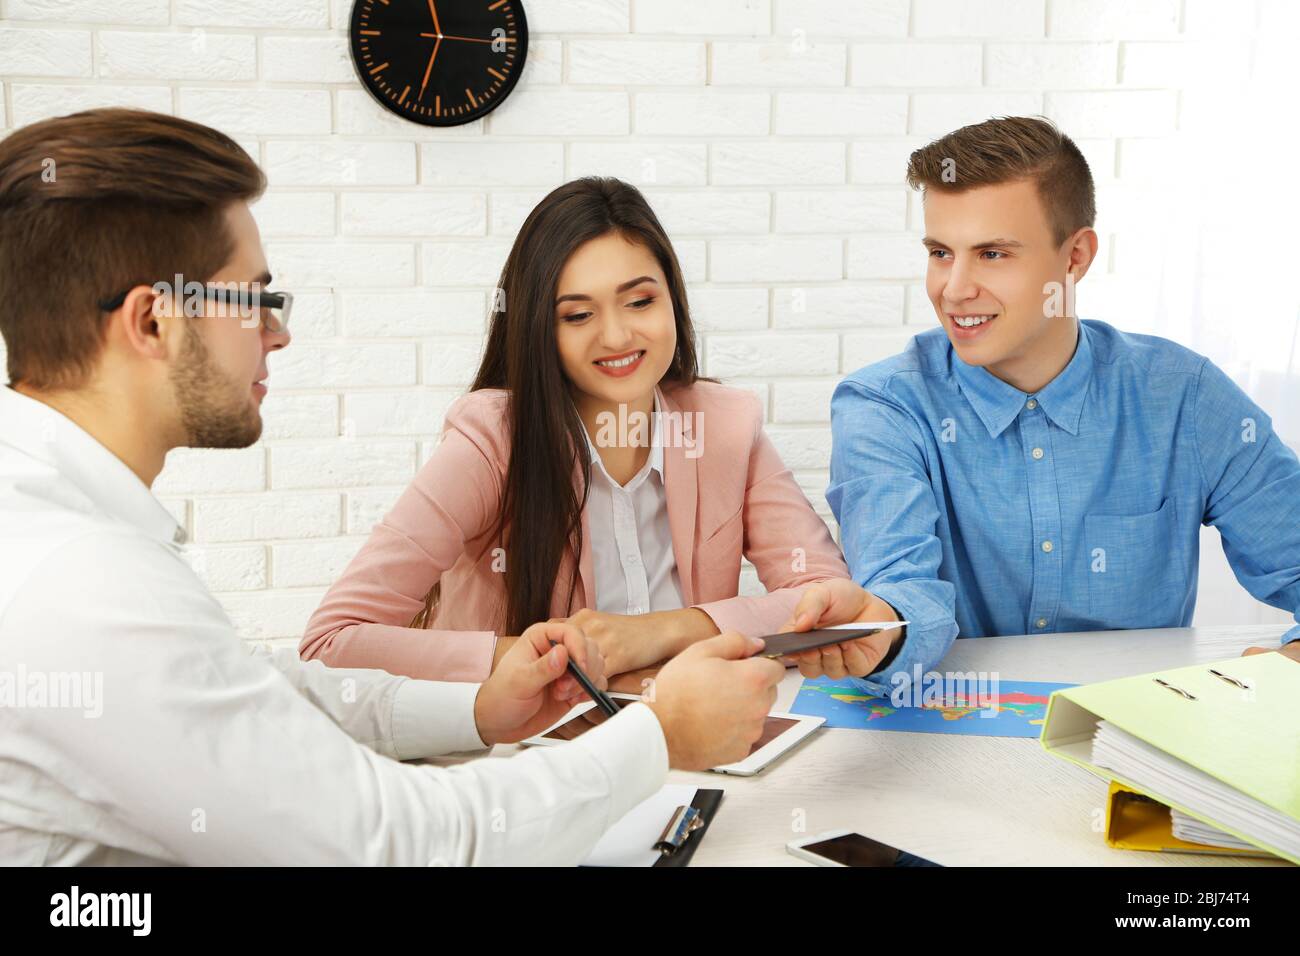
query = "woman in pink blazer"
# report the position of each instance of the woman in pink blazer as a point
(589, 474)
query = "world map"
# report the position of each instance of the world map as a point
(1003, 709)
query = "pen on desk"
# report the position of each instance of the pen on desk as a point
(599, 696)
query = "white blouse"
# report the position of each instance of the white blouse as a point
(631, 542)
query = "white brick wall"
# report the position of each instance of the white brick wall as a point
(770, 135)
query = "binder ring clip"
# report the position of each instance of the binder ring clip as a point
(1231, 680)
(1176, 690)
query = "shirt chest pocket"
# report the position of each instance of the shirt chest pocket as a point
(1136, 576)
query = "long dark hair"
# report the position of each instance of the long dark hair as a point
(541, 510)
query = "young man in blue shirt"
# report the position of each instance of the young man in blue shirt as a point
(1018, 471)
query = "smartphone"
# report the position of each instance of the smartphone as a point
(846, 848)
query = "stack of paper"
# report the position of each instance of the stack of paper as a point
(1194, 831)
(1154, 771)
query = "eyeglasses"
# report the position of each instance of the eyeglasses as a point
(272, 308)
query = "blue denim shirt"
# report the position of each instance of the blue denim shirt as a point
(976, 509)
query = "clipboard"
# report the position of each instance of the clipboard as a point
(663, 830)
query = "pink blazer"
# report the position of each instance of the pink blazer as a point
(728, 494)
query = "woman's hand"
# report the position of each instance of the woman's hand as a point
(840, 601)
(503, 645)
(629, 642)
(634, 682)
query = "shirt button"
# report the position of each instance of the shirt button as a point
(632, 558)
(1047, 546)
(1038, 453)
(1031, 404)
(636, 610)
(1041, 622)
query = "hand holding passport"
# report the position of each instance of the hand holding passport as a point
(861, 633)
(790, 643)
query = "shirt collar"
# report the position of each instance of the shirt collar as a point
(656, 460)
(41, 432)
(997, 404)
(1063, 397)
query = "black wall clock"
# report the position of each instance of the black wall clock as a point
(439, 62)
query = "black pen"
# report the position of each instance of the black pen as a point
(602, 699)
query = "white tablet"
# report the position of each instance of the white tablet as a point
(781, 733)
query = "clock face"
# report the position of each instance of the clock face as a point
(439, 62)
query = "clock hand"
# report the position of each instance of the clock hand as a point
(443, 36)
(434, 12)
(429, 69)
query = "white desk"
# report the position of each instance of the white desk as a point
(958, 800)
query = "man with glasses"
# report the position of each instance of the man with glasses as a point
(134, 728)
(249, 304)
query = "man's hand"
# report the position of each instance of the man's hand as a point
(1291, 650)
(840, 601)
(712, 700)
(530, 689)
(630, 642)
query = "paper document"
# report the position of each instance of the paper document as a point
(630, 841)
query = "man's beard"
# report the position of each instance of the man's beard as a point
(215, 411)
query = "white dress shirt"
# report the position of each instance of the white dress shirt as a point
(192, 750)
(631, 541)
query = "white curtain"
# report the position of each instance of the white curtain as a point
(1210, 253)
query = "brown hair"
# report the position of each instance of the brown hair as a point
(98, 202)
(1006, 149)
(540, 517)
